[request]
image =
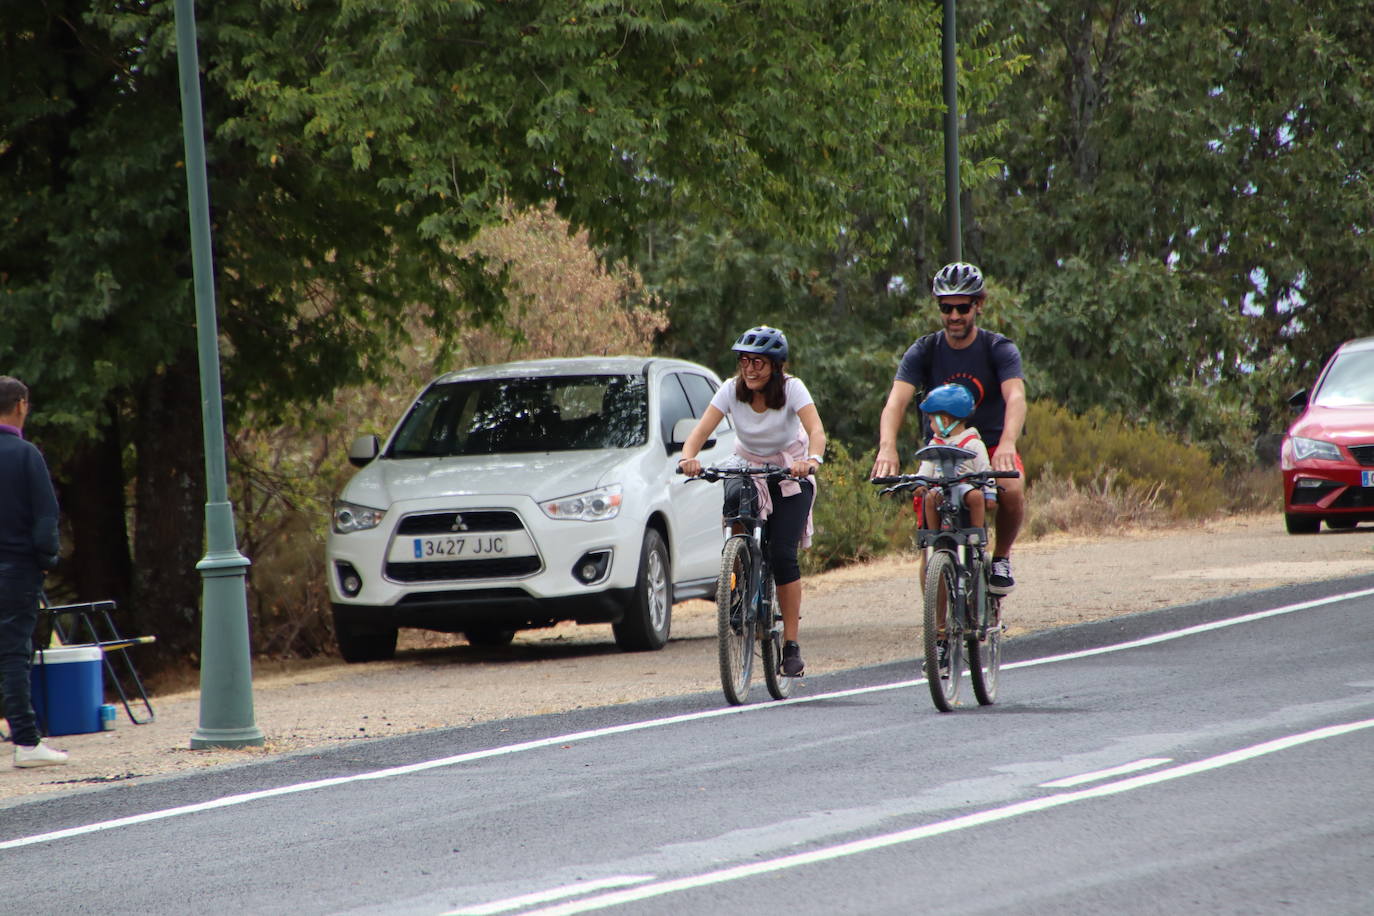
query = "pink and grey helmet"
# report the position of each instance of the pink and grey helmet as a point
(764, 341)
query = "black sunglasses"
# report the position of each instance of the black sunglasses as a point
(756, 362)
(962, 308)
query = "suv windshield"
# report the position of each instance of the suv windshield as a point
(1350, 380)
(548, 414)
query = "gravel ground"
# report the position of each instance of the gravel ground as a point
(851, 618)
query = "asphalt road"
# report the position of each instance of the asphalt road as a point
(1213, 758)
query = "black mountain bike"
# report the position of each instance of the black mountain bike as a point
(960, 609)
(748, 621)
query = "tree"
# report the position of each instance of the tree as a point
(1185, 209)
(353, 146)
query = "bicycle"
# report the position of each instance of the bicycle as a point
(956, 590)
(748, 621)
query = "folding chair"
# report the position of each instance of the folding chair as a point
(93, 620)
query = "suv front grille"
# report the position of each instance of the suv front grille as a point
(447, 524)
(495, 568)
(450, 522)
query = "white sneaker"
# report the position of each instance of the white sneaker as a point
(39, 755)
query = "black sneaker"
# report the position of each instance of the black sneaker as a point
(941, 659)
(792, 664)
(1001, 582)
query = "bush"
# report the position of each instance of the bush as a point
(852, 524)
(1109, 457)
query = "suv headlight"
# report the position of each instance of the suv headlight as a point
(350, 517)
(1315, 448)
(592, 506)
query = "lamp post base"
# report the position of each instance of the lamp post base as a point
(206, 738)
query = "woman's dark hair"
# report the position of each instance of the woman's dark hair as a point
(774, 395)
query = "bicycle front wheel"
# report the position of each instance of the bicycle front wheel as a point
(941, 604)
(984, 655)
(779, 684)
(735, 619)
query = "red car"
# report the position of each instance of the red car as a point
(1328, 453)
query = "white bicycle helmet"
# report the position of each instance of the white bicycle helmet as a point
(959, 279)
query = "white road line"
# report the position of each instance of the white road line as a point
(1193, 631)
(976, 819)
(231, 800)
(555, 893)
(1134, 767)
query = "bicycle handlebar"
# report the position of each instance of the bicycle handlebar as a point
(713, 474)
(912, 481)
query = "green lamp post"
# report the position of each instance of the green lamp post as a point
(953, 229)
(226, 678)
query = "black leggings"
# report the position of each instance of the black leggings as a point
(785, 524)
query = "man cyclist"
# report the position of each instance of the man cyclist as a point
(989, 366)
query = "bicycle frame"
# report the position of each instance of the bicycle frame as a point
(756, 532)
(762, 630)
(955, 585)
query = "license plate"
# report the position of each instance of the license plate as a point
(447, 548)
(1367, 478)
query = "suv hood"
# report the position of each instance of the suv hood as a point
(537, 475)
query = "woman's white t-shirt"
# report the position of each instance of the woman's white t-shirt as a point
(771, 431)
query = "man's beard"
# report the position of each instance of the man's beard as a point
(963, 334)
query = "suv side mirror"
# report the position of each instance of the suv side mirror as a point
(363, 450)
(1298, 399)
(681, 430)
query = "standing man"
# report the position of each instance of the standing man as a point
(989, 366)
(28, 548)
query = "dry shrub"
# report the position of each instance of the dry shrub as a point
(1103, 453)
(1102, 506)
(1257, 489)
(564, 300)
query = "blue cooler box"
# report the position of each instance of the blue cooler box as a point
(67, 690)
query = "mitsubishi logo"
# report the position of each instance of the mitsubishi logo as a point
(458, 524)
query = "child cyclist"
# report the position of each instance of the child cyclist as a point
(947, 407)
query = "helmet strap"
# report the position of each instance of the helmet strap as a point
(942, 428)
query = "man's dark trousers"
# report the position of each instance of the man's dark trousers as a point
(19, 589)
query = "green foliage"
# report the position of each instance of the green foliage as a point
(851, 523)
(841, 295)
(1101, 449)
(1147, 210)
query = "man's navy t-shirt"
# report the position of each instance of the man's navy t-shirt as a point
(981, 367)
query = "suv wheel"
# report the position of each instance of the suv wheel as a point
(362, 642)
(649, 618)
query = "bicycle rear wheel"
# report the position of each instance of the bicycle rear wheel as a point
(941, 602)
(735, 619)
(779, 684)
(985, 655)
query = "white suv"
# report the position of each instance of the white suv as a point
(517, 496)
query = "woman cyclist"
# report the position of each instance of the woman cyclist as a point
(775, 423)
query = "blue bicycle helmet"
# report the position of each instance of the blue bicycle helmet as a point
(954, 400)
(763, 340)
